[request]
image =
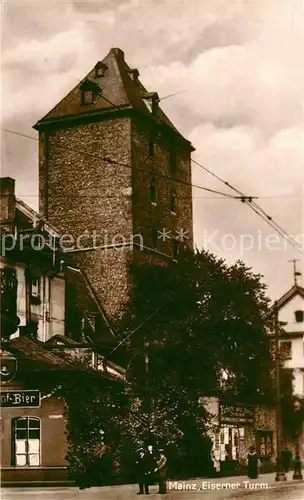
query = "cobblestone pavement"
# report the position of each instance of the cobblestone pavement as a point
(197, 489)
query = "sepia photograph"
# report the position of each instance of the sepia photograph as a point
(152, 249)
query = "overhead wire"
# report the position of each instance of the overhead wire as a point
(122, 164)
(256, 208)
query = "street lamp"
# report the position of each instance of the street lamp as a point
(280, 474)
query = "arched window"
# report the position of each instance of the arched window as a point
(153, 191)
(173, 200)
(26, 442)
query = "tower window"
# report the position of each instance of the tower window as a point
(173, 201)
(26, 442)
(151, 146)
(153, 191)
(154, 237)
(175, 249)
(172, 159)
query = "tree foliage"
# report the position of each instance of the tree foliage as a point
(201, 318)
(186, 324)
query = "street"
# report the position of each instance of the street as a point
(197, 489)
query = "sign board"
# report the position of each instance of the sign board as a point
(236, 414)
(20, 399)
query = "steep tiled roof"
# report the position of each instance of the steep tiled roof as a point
(34, 357)
(33, 354)
(119, 87)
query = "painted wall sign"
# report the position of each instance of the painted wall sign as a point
(20, 399)
(237, 414)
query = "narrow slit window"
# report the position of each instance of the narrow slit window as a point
(173, 201)
(154, 237)
(153, 191)
(172, 159)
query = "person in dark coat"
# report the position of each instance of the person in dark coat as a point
(286, 457)
(150, 466)
(161, 471)
(140, 471)
(253, 463)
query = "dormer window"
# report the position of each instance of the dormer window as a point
(87, 97)
(89, 92)
(100, 69)
(299, 316)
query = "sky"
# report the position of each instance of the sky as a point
(237, 66)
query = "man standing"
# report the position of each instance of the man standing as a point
(140, 471)
(150, 466)
(161, 472)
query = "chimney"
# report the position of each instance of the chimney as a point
(118, 53)
(7, 199)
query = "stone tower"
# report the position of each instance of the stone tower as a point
(113, 167)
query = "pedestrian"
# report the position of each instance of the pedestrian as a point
(161, 471)
(149, 466)
(253, 462)
(140, 471)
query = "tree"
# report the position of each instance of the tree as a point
(199, 318)
(186, 324)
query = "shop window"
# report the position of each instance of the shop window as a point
(26, 442)
(264, 442)
(286, 350)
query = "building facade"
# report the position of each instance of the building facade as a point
(43, 338)
(291, 319)
(113, 168)
(234, 428)
(289, 312)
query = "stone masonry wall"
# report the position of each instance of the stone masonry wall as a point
(152, 217)
(81, 192)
